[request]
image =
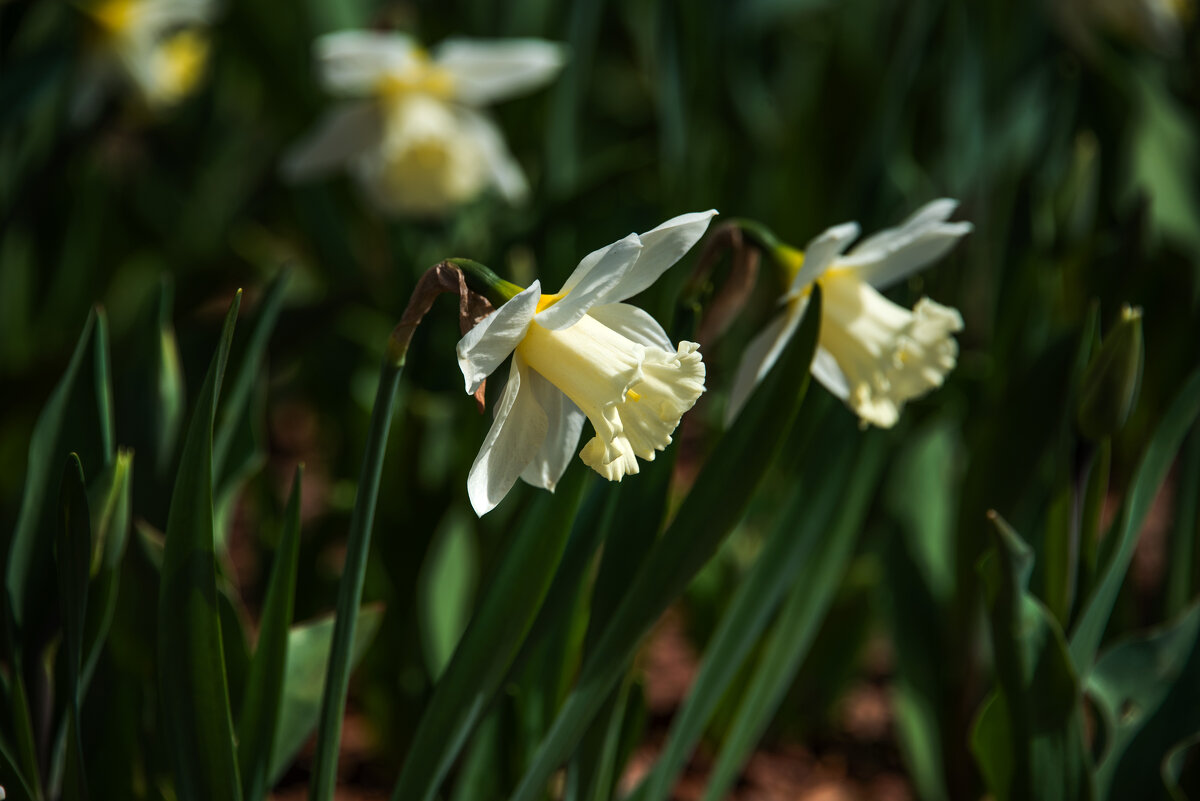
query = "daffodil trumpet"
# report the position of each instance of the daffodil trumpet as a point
(872, 353)
(581, 354)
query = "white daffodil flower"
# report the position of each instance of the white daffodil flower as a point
(581, 353)
(410, 130)
(157, 46)
(871, 353)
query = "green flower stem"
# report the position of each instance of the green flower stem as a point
(486, 282)
(337, 680)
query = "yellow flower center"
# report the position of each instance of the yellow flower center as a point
(546, 301)
(423, 77)
(792, 260)
(184, 56)
(114, 16)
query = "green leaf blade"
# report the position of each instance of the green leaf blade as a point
(265, 686)
(73, 552)
(194, 691)
(1150, 474)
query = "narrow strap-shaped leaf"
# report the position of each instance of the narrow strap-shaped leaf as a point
(264, 687)
(1151, 471)
(489, 645)
(1060, 548)
(247, 372)
(109, 500)
(26, 755)
(29, 563)
(358, 544)
(476, 780)
(73, 551)
(713, 507)
(1094, 494)
(1185, 531)
(800, 618)
(799, 529)
(104, 391)
(166, 409)
(604, 774)
(194, 693)
(303, 680)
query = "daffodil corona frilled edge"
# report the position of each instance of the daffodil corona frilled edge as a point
(582, 354)
(159, 47)
(410, 129)
(871, 353)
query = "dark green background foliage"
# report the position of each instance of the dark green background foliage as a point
(1021, 655)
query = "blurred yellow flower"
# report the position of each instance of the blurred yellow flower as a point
(158, 47)
(582, 354)
(410, 130)
(871, 353)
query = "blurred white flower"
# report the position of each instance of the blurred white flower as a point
(871, 353)
(410, 130)
(158, 47)
(580, 353)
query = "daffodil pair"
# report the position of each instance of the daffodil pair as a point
(410, 129)
(158, 47)
(582, 354)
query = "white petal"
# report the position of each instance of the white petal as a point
(678, 231)
(354, 62)
(342, 133)
(825, 369)
(564, 425)
(514, 439)
(487, 71)
(634, 323)
(821, 252)
(503, 170)
(484, 347)
(661, 248)
(596, 287)
(933, 212)
(585, 266)
(760, 356)
(895, 253)
(175, 13)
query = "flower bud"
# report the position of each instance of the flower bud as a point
(1112, 379)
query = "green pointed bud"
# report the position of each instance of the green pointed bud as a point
(1112, 379)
